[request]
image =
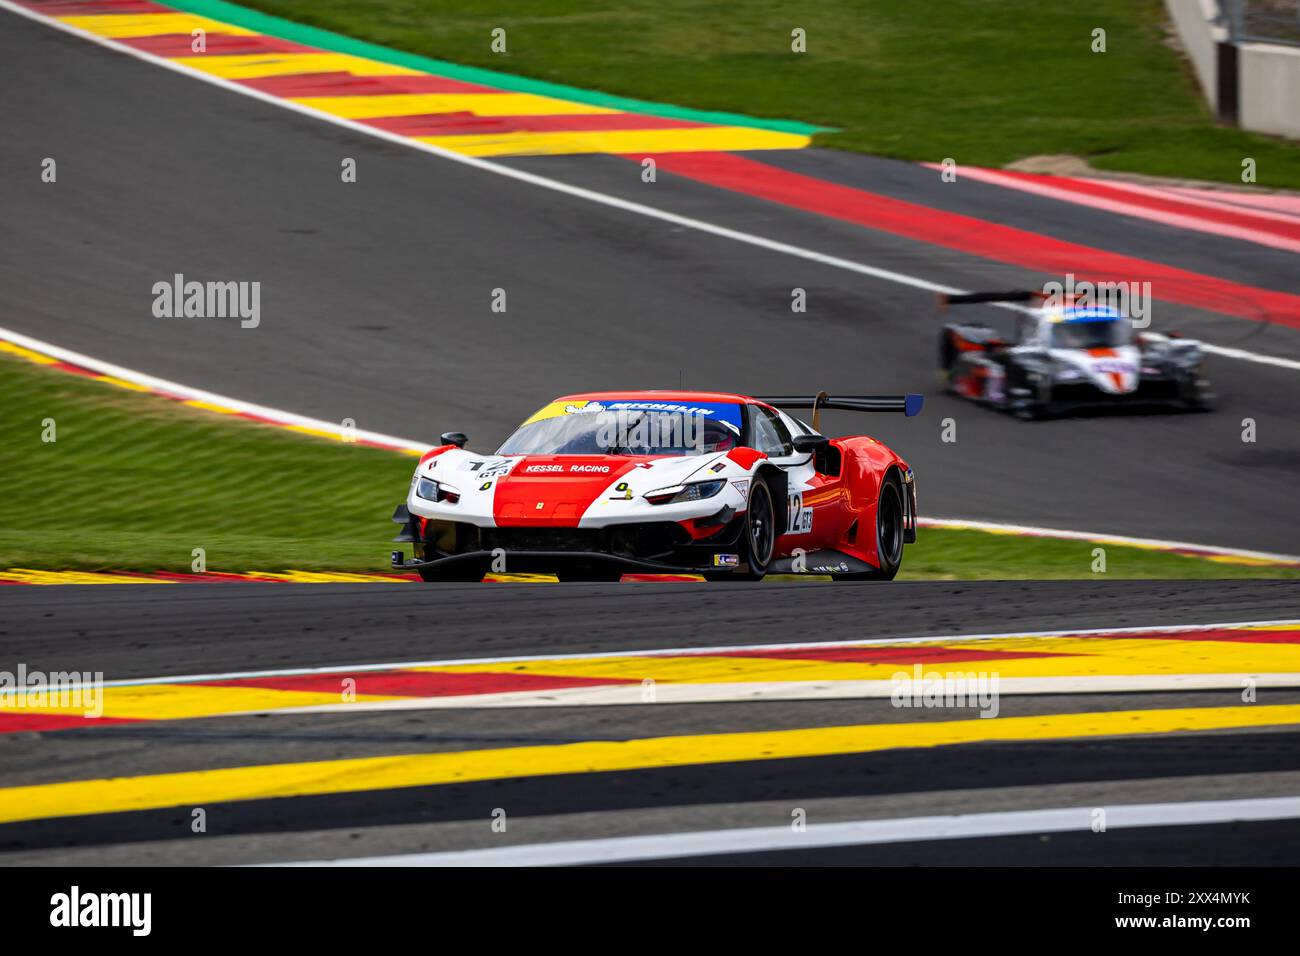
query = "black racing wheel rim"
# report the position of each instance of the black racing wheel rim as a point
(761, 533)
(889, 522)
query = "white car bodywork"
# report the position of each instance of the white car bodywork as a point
(477, 478)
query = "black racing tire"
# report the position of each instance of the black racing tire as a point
(1032, 411)
(890, 512)
(758, 537)
(462, 571)
(947, 358)
(1194, 392)
(609, 575)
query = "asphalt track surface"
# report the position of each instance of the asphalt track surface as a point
(376, 307)
(167, 630)
(152, 630)
(376, 295)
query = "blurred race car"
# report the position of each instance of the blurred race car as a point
(727, 486)
(1065, 357)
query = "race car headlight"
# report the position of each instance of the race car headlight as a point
(430, 490)
(695, 491)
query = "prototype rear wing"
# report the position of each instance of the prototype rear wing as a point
(909, 404)
(972, 298)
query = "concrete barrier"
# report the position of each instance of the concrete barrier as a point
(1194, 20)
(1269, 95)
(1253, 85)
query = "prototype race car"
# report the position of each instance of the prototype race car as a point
(726, 486)
(1067, 357)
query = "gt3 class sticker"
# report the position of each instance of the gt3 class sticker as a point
(495, 470)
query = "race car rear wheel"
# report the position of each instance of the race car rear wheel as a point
(889, 534)
(1194, 391)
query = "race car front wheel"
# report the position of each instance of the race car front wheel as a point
(759, 536)
(760, 529)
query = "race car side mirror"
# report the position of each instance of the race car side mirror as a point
(454, 438)
(810, 444)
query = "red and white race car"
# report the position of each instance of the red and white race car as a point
(726, 486)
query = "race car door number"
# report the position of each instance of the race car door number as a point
(798, 518)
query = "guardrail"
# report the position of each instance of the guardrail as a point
(1262, 21)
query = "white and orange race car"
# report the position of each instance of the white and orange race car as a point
(1067, 356)
(722, 485)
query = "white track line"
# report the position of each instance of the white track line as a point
(854, 833)
(683, 651)
(290, 418)
(280, 416)
(1233, 200)
(489, 166)
(1245, 356)
(615, 695)
(1152, 543)
(543, 182)
(178, 390)
(175, 389)
(1232, 353)
(1180, 220)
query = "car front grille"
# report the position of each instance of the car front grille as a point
(542, 539)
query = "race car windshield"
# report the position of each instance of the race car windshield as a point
(628, 428)
(1091, 335)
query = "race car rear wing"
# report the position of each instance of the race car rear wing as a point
(971, 298)
(909, 404)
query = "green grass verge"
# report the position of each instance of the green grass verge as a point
(983, 82)
(135, 482)
(942, 554)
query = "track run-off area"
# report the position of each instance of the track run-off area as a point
(789, 722)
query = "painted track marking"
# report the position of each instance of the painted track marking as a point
(361, 774)
(543, 182)
(344, 669)
(852, 833)
(1247, 224)
(215, 402)
(1114, 661)
(45, 353)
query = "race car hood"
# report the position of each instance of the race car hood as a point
(557, 489)
(1112, 370)
(560, 490)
